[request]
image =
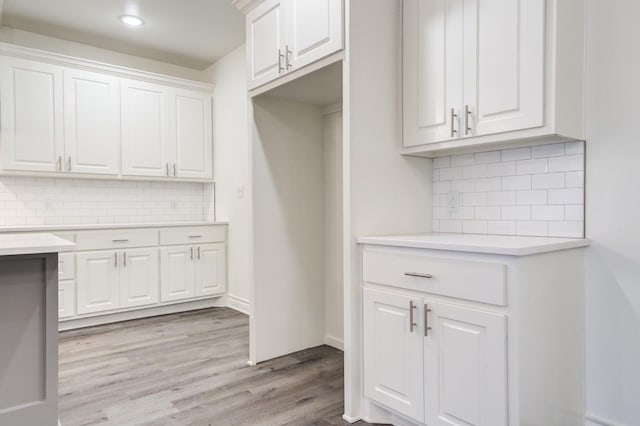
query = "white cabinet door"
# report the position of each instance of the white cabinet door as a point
(315, 30)
(139, 277)
(98, 282)
(32, 126)
(145, 129)
(210, 269)
(193, 134)
(393, 359)
(266, 34)
(504, 65)
(66, 298)
(465, 367)
(92, 122)
(177, 272)
(432, 70)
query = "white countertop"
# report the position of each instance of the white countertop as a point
(17, 244)
(86, 227)
(493, 244)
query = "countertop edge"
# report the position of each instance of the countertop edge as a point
(470, 248)
(104, 226)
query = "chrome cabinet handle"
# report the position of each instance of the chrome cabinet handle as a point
(198, 252)
(168, 174)
(453, 119)
(280, 58)
(59, 165)
(174, 170)
(288, 59)
(418, 274)
(116, 260)
(120, 241)
(191, 253)
(195, 236)
(411, 319)
(426, 319)
(467, 113)
(125, 259)
(69, 165)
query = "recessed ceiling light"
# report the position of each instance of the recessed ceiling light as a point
(134, 21)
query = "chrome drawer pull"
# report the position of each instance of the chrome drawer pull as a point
(195, 236)
(120, 241)
(426, 320)
(417, 274)
(411, 319)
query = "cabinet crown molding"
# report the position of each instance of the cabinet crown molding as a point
(245, 5)
(7, 49)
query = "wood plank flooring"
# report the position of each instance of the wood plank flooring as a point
(190, 369)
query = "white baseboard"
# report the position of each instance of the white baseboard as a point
(334, 342)
(594, 420)
(350, 419)
(239, 304)
(136, 314)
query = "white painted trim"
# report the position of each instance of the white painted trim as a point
(239, 304)
(245, 6)
(100, 319)
(334, 342)
(251, 363)
(350, 419)
(594, 420)
(330, 109)
(65, 60)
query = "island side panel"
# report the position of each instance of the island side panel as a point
(29, 340)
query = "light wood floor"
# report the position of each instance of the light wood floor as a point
(190, 369)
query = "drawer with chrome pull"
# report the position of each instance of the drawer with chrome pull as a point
(417, 270)
(193, 235)
(115, 239)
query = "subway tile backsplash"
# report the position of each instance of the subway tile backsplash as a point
(54, 201)
(532, 191)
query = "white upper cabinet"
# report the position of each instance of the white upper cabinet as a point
(92, 122)
(32, 123)
(69, 117)
(286, 35)
(315, 31)
(193, 134)
(266, 32)
(479, 72)
(145, 129)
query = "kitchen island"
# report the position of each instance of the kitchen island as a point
(29, 328)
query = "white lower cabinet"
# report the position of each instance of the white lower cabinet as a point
(99, 281)
(178, 271)
(435, 363)
(66, 298)
(393, 352)
(193, 271)
(465, 359)
(139, 277)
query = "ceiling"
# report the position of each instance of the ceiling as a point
(190, 33)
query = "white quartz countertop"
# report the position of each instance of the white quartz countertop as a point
(492, 244)
(17, 244)
(87, 227)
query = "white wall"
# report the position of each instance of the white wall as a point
(64, 47)
(231, 168)
(334, 285)
(613, 211)
(384, 192)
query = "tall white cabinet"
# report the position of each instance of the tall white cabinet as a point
(464, 331)
(478, 73)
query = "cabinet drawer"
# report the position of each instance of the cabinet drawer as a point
(464, 279)
(193, 235)
(115, 239)
(66, 266)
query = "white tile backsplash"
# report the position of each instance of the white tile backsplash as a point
(533, 191)
(55, 201)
